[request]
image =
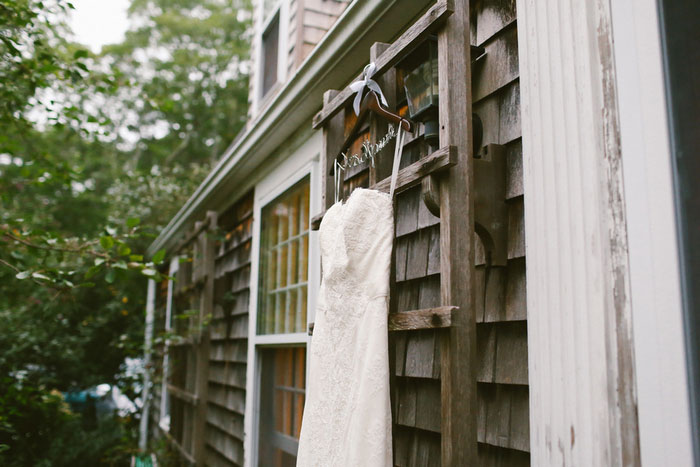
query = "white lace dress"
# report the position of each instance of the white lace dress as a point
(347, 416)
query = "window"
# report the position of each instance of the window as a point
(281, 322)
(270, 46)
(282, 386)
(284, 262)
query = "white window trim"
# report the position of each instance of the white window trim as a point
(164, 418)
(660, 357)
(279, 181)
(281, 10)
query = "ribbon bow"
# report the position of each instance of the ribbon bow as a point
(359, 86)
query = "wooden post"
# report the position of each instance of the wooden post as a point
(379, 126)
(458, 344)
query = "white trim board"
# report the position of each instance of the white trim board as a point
(303, 163)
(662, 383)
(148, 349)
(164, 417)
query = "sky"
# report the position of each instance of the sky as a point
(99, 22)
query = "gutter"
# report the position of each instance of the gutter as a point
(342, 51)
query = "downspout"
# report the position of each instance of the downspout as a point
(148, 344)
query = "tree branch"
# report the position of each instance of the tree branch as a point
(2, 261)
(35, 280)
(53, 248)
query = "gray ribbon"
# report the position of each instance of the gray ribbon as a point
(366, 81)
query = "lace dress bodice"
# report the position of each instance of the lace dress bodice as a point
(347, 416)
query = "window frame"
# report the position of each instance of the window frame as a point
(663, 410)
(281, 12)
(278, 182)
(267, 249)
(286, 439)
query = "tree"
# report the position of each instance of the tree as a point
(96, 154)
(188, 60)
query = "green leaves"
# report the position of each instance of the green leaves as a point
(107, 242)
(110, 276)
(159, 256)
(123, 249)
(80, 53)
(86, 203)
(91, 272)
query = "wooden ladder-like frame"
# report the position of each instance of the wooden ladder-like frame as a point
(446, 178)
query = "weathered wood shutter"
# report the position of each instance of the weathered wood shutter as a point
(207, 377)
(458, 352)
(189, 354)
(228, 336)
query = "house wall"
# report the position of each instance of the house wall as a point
(554, 353)
(219, 411)
(309, 20)
(501, 305)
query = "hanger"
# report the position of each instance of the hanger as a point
(370, 103)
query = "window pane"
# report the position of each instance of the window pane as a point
(284, 262)
(282, 392)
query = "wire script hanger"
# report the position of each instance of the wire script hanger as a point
(370, 103)
(362, 105)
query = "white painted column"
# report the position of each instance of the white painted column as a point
(148, 345)
(581, 361)
(164, 417)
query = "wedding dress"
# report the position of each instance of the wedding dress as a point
(347, 416)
